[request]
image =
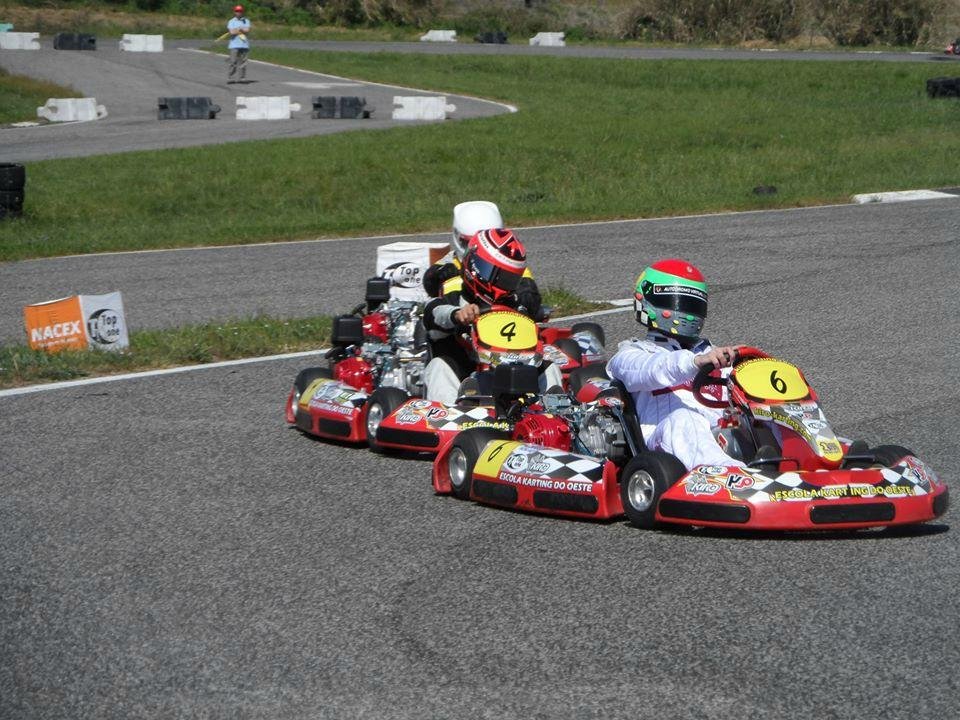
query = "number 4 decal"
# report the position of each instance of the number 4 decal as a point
(508, 331)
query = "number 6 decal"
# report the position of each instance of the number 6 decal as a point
(779, 384)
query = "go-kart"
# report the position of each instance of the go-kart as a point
(953, 48)
(798, 474)
(501, 336)
(379, 343)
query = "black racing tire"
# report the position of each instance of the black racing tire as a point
(380, 404)
(303, 380)
(12, 177)
(887, 455)
(571, 348)
(593, 328)
(643, 481)
(580, 376)
(464, 453)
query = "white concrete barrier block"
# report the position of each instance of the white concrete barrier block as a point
(19, 41)
(422, 108)
(265, 108)
(439, 36)
(548, 39)
(71, 110)
(900, 196)
(142, 43)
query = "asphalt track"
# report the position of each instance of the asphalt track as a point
(129, 84)
(171, 549)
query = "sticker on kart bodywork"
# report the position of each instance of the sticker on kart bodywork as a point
(510, 330)
(518, 463)
(768, 379)
(326, 391)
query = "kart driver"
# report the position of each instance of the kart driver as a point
(671, 300)
(469, 218)
(492, 272)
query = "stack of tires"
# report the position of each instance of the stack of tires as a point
(12, 179)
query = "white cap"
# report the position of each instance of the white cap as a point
(471, 217)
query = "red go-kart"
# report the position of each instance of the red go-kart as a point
(799, 475)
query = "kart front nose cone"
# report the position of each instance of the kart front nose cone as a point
(374, 418)
(457, 467)
(641, 490)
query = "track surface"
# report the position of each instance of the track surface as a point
(171, 549)
(129, 84)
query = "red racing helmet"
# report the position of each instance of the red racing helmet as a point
(494, 264)
(238, 9)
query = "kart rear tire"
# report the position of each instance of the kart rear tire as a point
(887, 455)
(302, 382)
(593, 328)
(582, 375)
(380, 404)
(643, 481)
(464, 453)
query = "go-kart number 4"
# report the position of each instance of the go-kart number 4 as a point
(507, 330)
(769, 379)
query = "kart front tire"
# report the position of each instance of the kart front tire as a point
(593, 328)
(301, 383)
(643, 481)
(570, 348)
(463, 455)
(380, 404)
(582, 375)
(887, 455)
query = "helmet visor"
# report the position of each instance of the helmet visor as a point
(493, 275)
(678, 298)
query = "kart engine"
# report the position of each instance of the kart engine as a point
(600, 433)
(400, 361)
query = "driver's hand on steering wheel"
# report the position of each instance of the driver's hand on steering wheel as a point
(467, 315)
(719, 356)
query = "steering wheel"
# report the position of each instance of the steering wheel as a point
(705, 377)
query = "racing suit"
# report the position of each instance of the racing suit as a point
(450, 363)
(658, 373)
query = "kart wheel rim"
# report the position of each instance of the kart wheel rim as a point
(457, 467)
(640, 490)
(374, 418)
(294, 401)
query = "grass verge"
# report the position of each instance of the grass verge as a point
(21, 96)
(594, 139)
(199, 344)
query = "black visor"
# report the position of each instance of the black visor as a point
(492, 275)
(678, 298)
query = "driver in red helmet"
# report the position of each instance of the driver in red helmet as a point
(493, 273)
(670, 299)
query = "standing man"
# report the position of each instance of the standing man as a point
(238, 27)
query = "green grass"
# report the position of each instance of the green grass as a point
(21, 96)
(198, 344)
(594, 139)
(167, 348)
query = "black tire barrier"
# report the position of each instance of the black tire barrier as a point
(186, 108)
(74, 41)
(943, 87)
(11, 203)
(492, 38)
(347, 107)
(13, 178)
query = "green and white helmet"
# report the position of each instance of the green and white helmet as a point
(671, 297)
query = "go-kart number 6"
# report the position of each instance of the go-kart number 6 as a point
(507, 330)
(768, 379)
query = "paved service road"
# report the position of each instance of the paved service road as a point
(171, 549)
(129, 84)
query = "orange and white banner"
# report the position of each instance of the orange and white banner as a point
(77, 322)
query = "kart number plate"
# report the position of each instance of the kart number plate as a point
(507, 330)
(773, 380)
